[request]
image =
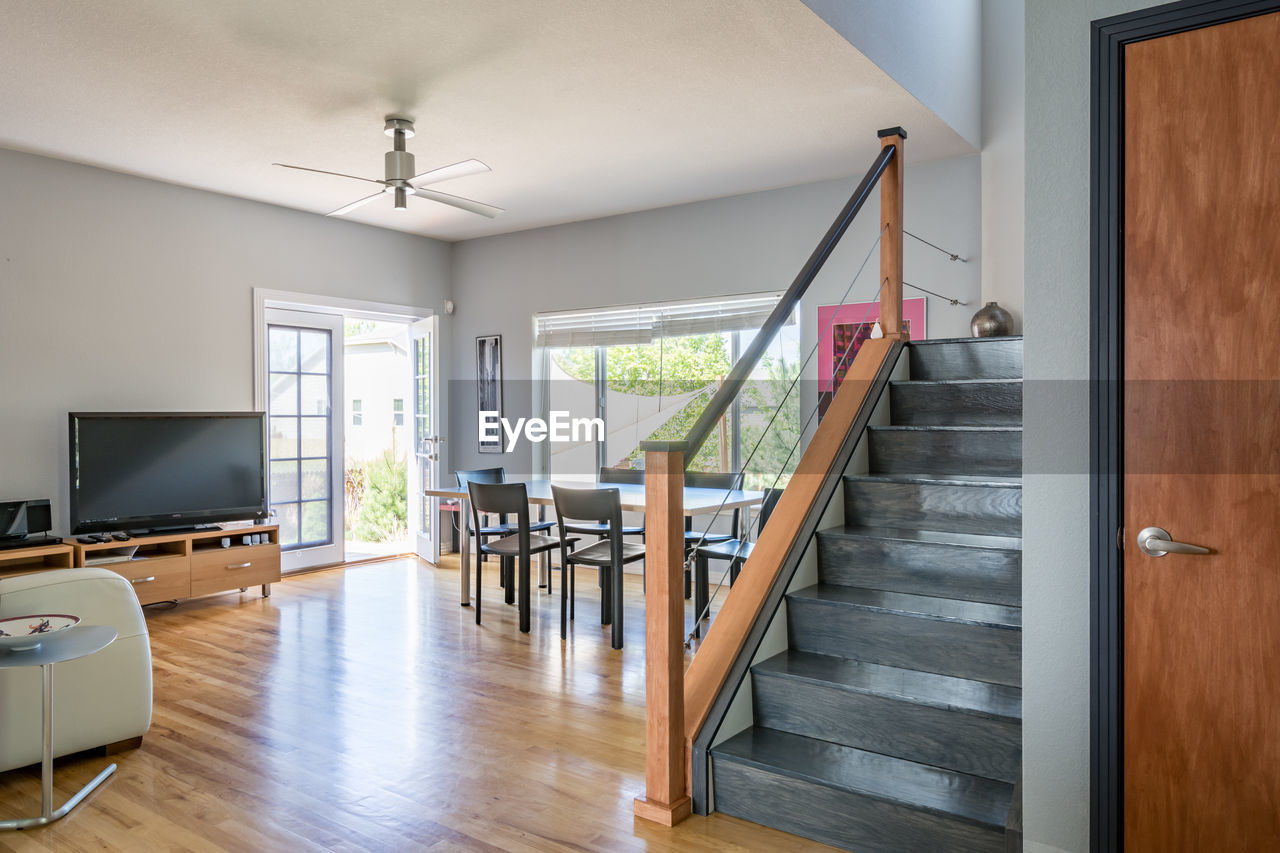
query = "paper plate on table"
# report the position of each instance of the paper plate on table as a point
(21, 633)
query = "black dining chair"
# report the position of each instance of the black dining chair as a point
(626, 476)
(609, 554)
(694, 538)
(517, 547)
(736, 551)
(502, 528)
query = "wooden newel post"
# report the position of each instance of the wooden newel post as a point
(666, 796)
(891, 236)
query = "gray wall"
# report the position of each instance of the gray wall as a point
(931, 48)
(742, 244)
(119, 293)
(1055, 520)
(1003, 153)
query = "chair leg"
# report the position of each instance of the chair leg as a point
(479, 572)
(508, 571)
(615, 580)
(688, 585)
(606, 596)
(701, 586)
(735, 566)
(524, 582)
(572, 584)
(564, 594)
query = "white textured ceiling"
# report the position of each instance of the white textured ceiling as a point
(583, 108)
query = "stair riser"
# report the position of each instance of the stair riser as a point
(967, 360)
(967, 404)
(990, 510)
(968, 743)
(841, 818)
(946, 571)
(930, 451)
(962, 649)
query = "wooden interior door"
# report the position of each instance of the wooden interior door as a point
(1202, 438)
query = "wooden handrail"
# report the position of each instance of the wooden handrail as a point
(891, 189)
(728, 633)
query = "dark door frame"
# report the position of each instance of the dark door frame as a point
(1106, 372)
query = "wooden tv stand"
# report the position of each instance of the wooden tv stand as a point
(167, 567)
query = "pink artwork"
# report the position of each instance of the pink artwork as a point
(841, 331)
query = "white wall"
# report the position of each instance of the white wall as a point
(931, 48)
(1003, 153)
(749, 243)
(119, 293)
(1055, 520)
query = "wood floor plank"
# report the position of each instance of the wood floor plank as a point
(362, 709)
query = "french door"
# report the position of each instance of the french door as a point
(424, 510)
(305, 469)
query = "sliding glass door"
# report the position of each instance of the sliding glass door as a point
(424, 510)
(304, 378)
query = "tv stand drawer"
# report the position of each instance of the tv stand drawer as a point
(215, 570)
(156, 579)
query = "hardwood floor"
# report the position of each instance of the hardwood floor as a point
(363, 709)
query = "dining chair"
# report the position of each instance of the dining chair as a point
(502, 528)
(736, 551)
(608, 555)
(693, 538)
(518, 546)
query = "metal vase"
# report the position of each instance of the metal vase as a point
(991, 321)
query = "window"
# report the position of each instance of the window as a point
(650, 370)
(357, 413)
(397, 411)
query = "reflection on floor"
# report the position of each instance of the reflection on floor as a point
(363, 709)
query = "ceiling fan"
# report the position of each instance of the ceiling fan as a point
(402, 182)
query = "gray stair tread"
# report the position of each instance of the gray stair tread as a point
(925, 688)
(947, 609)
(920, 382)
(975, 341)
(934, 428)
(930, 537)
(945, 792)
(999, 481)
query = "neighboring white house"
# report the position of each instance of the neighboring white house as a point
(377, 408)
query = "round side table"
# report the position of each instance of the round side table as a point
(56, 647)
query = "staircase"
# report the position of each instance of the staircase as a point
(893, 721)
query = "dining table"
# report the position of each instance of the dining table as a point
(697, 502)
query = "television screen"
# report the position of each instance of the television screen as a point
(149, 470)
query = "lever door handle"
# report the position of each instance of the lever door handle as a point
(1155, 542)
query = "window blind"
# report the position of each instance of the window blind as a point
(642, 324)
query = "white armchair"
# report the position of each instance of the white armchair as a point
(99, 700)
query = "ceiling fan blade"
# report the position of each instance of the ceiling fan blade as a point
(323, 172)
(448, 173)
(350, 207)
(458, 202)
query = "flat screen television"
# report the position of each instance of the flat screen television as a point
(164, 470)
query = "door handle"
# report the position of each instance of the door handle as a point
(1155, 542)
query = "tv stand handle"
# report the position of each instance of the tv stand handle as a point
(240, 565)
(143, 580)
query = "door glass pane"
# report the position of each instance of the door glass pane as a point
(423, 445)
(284, 394)
(315, 479)
(314, 348)
(315, 437)
(284, 480)
(287, 518)
(284, 438)
(315, 395)
(315, 521)
(282, 348)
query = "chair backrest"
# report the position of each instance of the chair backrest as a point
(503, 499)
(626, 476)
(600, 505)
(481, 475)
(714, 480)
(767, 505)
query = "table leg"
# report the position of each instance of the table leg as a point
(48, 814)
(464, 565)
(745, 533)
